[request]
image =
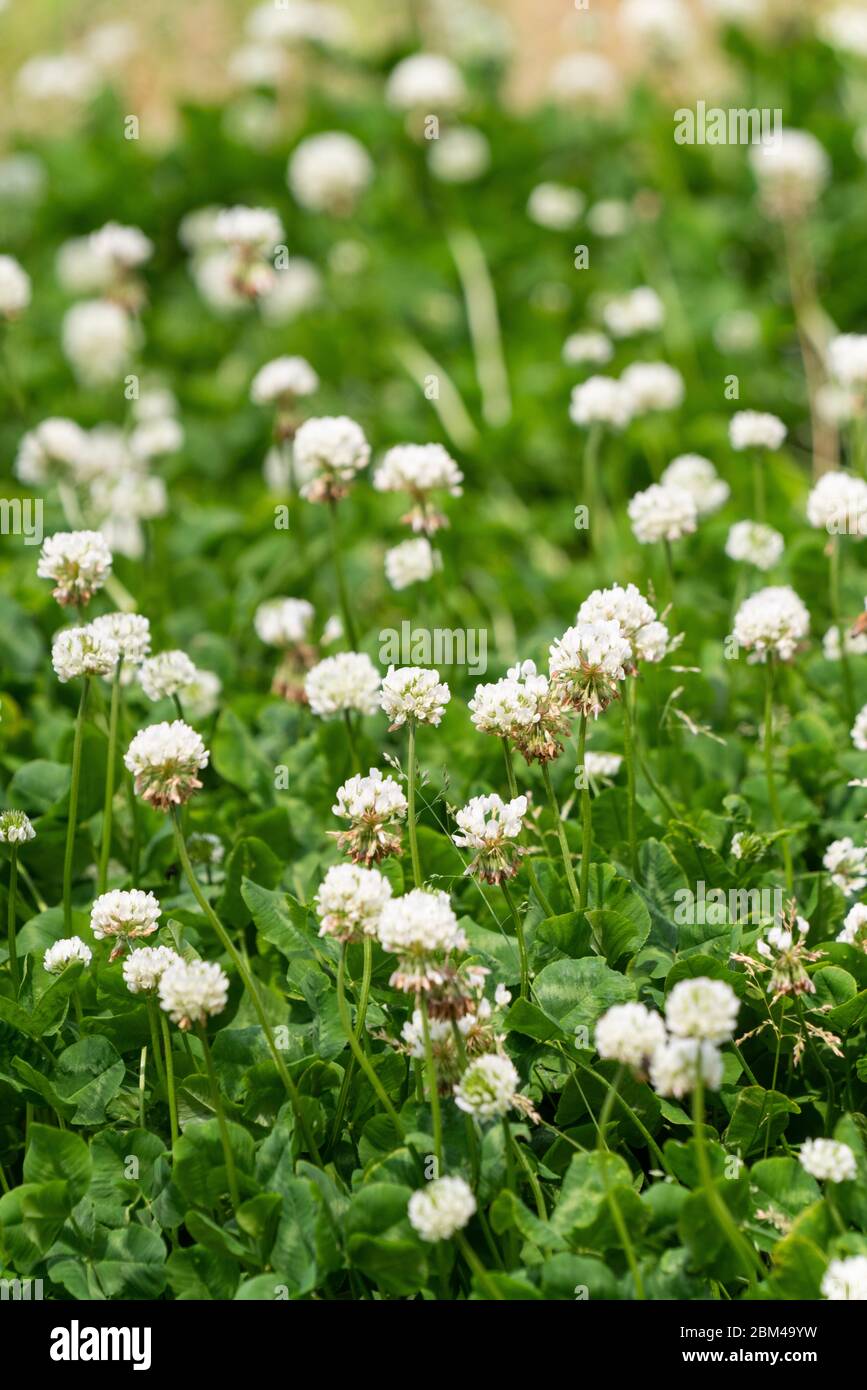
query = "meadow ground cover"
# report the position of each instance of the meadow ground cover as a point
(432, 647)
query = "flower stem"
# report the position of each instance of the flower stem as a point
(249, 984)
(13, 894)
(758, 486)
(477, 1267)
(351, 740)
(513, 792)
(432, 1085)
(337, 560)
(357, 1049)
(359, 1034)
(105, 848)
(773, 798)
(155, 1037)
(617, 1214)
(410, 804)
(629, 755)
(586, 816)
(561, 836)
(142, 1073)
(170, 1078)
(73, 807)
(845, 664)
(522, 944)
(231, 1173)
(741, 1247)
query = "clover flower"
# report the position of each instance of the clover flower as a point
(640, 311)
(858, 732)
(420, 470)
(143, 967)
(828, 1160)
(411, 562)
(602, 765)
(329, 451)
(854, 929)
(555, 206)
(65, 952)
(166, 674)
(697, 476)
(14, 288)
(755, 543)
(680, 1064)
(488, 1087)
(600, 400)
(347, 681)
(130, 631)
(191, 992)
(847, 358)
(15, 828)
(251, 230)
(855, 643)
(838, 504)
(587, 347)
(756, 429)
(653, 386)
(791, 173)
(165, 760)
(460, 155)
(283, 622)
(98, 338)
(441, 1209)
(421, 929)
(846, 1279)
(847, 865)
(662, 513)
(350, 901)
(56, 441)
(844, 27)
(425, 83)
(201, 695)
(329, 172)
(123, 916)
(771, 623)
(374, 805)
(587, 664)
(281, 381)
(784, 952)
(647, 637)
(629, 1034)
(81, 651)
(702, 1008)
(413, 692)
(490, 826)
(124, 248)
(78, 562)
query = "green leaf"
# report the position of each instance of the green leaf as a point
(575, 992)
(756, 1111)
(88, 1075)
(58, 1155)
(251, 859)
(132, 1264)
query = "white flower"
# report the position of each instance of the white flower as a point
(14, 288)
(602, 765)
(755, 429)
(445, 1206)
(653, 386)
(609, 217)
(648, 639)
(489, 826)
(584, 79)
(600, 400)
(143, 968)
(15, 828)
(419, 470)
(847, 865)
(846, 1279)
(413, 692)
(459, 155)
(124, 915)
(79, 563)
(791, 172)
(662, 513)
(296, 287)
(329, 451)
(855, 643)
(126, 247)
(426, 83)
(165, 759)
(847, 358)
(54, 441)
(828, 1160)
(80, 651)
(329, 172)
(283, 380)
(698, 477)
(130, 631)
(702, 1008)
(283, 622)
(661, 26)
(587, 347)
(630, 1034)
(347, 681)
(771, 622)
(254, 65)
(297, 21)
(838, 504)
(200, 696)
(411, 562)
(155, 437)
(98, 339)
(250, 230)
(62, 953)
(755, 543)
(524, 707)
(681, 1062)
(555, 206)
(854, 931)
(165, 674)
(421, 928)
(587, 663)
(57, 77)
(350, 901)
(640, 311)
(487, 1087)
(845, 27)
(190, 992)
(373, 805)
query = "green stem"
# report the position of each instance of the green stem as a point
(353, 746)
(620, 1100)
(73, 807)
(758, 486)
(836, 608)
(630, 686)
(742, 1248)
(13, 894)
(477, 1267)
(617, 1214)
(358, 1051)
(109, 779)
(170, 1078)
(561, 836)
(225, 1140)
(522, 944)
(155, 1037)
(142, 1071)
(513, 792)
(342, 594)
(773, 798)
(410, 804)
(432, 1085)
(359, 1034)
(586, 817)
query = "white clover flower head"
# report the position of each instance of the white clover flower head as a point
(587, 347)
(329, 451)
(420, 470)
(629, 1034)
(165, 760)
(131, 632)
(460, 155)
(295, 290)
(373, 805)
(847, 358)
(14, 288)
(847, 864)
(555, 206)
(200, 696)
(828, 1160)
(253, 231)
(281, 381)
(124, 915)
(143, 967)
(844, 27)
(653, 386)
(702, 1008)
(587, 664)
(602, 766)
(600, 400)
(610, 217)
(78, 562)
(413, 692)
(791, 173)
(56, 441)
(679, 1064)
(525, 707)
(854, 929)
(662, 513)
(65, 952)
(297, 21)
(254, 65)
(488, 1086)
(425, 83)
(846, 1279)
(838, 504)
(858, 732)
(647, 637)
(697, 476)
(755, 543)
(166, 674)
(350, 901)
(191, 992)
(584, 79)
(498, 707)
(15, 828)
(283, 622)
(771, 623)
(98, 338)
(640, 311)
(125, 247)
(441, 1208)
(347, 681)
(756, 429)
(57, 77)
(490, 826)
(329, 172)
(411, 562)
(421, 929)
(80, 651)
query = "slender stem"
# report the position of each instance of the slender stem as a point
(432, 1085)
(342, 594)
(586, 816)
(359, 1034)
(358, 1051)
(155, 1037)
(561, 836)
(513, 792)
(170, 1078)
(836, 608)
(522, 944)
(178, 706)
(741, 1247)
(620, 1100)
(535, 1186)
(617, 1214)
(13, 894)
(142, 1070)
(511, 1239)
(773, 798)
(109, 778)
(629, 691)
(410, 804)
(758, 485)
(477, 1267)
(222, 1124)
(250, 986)
(73, 807)
(351, 740)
